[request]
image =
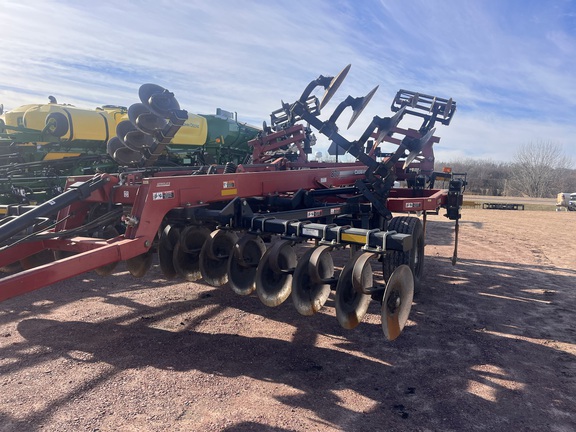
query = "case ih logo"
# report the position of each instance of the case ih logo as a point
(229, 184)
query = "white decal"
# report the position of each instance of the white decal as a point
(310, 232)
(162, 195)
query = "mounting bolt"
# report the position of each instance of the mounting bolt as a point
(147, 243)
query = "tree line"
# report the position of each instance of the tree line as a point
(538, 170)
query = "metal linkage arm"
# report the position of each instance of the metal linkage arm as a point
(76, 192)
(430, 108)
(380, 176)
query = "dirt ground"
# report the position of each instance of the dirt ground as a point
(490, 346)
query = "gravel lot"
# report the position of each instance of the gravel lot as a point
(490, 345)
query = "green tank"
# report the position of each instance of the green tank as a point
(42, 144)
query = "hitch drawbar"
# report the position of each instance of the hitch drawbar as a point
(11, 226)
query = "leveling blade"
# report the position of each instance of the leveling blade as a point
(417, 147)
(360, 104)
(334, 84)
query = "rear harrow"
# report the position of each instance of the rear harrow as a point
(214, 224)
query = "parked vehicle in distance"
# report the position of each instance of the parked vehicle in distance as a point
(566, 200)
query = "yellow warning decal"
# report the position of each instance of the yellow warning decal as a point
(57, 155)
(354, 238)
(226, 192)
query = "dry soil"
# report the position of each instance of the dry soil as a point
(490, 346)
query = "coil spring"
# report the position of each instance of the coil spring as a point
(229, 168)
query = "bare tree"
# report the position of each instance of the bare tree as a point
(485, 177)
(567, 180)
(537, 169)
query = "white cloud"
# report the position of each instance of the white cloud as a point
(510, 73)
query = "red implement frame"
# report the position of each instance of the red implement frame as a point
(280, 172)
(152, 198)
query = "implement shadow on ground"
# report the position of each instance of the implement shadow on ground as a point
(467, 361)
(441, 232)
(87, 285)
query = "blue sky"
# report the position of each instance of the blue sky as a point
(509, 64)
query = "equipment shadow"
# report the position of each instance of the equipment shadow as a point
(468, 331)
